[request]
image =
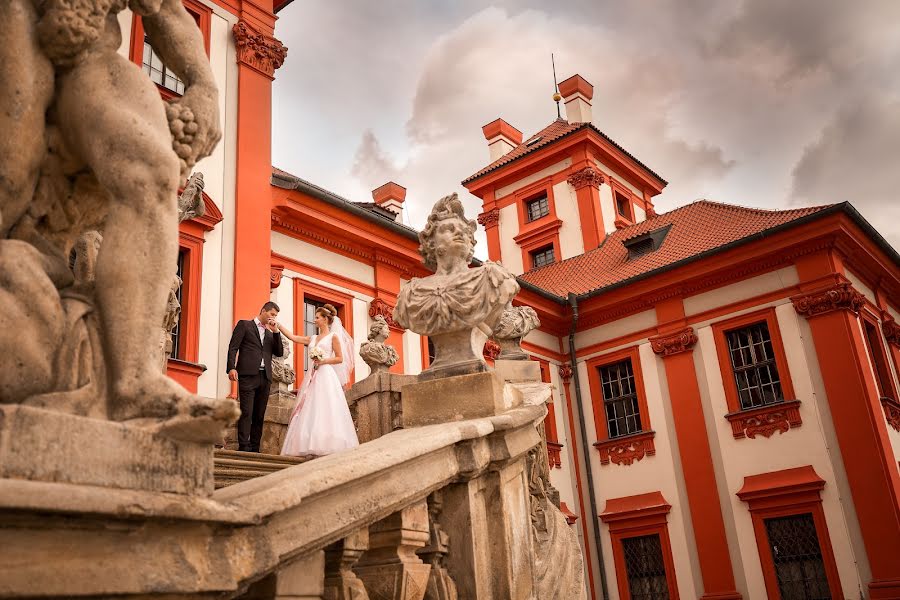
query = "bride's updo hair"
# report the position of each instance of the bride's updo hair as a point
(328, 311)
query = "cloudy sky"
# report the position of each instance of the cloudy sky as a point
(764, 103)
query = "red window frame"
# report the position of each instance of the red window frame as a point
(642, 442)
(787, 493)
(618, 189)
(201, 13)
(736, 415)
(343, 302)
(542, 232)
(877, 353)
(637, 516)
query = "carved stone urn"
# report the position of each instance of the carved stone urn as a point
(458, 306)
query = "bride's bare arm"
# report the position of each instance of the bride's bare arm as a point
(338, 358)
(297, 339)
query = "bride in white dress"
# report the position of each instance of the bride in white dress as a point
(320, 423)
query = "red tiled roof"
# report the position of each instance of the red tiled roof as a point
(696, 228)
(552, 132)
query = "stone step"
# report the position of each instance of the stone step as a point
(234, 466)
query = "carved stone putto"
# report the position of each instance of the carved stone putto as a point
(489, 218)
(585, 177)
(378, 355)
(455, 305)
(842, 296)
(681, 341)
(258, 50)
(515, 323)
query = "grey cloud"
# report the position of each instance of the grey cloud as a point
(371, 164)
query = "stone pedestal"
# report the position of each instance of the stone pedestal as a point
(375, 404)
(457, 353)
(455, 399)
(41, 445)
(516, 371)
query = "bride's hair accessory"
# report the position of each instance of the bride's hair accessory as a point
(328, 311)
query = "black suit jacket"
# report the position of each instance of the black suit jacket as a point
(250, 352)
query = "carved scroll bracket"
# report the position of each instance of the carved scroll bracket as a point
(626, 450)
(842, 296)
(765, 420)
(565, 373)
(275, 276)
(379, 307)
(676, 343)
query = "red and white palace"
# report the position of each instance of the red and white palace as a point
(725, 420)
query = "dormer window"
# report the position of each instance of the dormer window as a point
(646, 243)
(542, 257)
(537, 208)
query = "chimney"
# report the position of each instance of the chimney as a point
(501, 137)
(390, 197)
(577, 94)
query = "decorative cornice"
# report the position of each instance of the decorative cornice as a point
(765, 420)
(675, 343)
(585, 177)
(891, 330)
(275, 276)
(553, 454)
(258, 50)
(841, 296)
(491, 350)
(490, 218)
(380, 307)
(565, 372)
(891, 412)
(626, 449)
(280, 222)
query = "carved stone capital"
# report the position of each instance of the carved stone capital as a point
(675, 343)
(490, 218)
(565, 372)
(586, 177)
(891, 330)
(275, 276)
(841, 296)
(379, 307)
(258, 50)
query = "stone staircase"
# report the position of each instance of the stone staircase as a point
(234, 466)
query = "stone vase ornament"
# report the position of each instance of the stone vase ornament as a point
(458, 306)
(515, 323)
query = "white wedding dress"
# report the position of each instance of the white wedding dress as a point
(321, 423)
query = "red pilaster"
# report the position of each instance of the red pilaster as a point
(830, 305)
(490, 220)
(676, 348)
(258, 55)
(587, 183)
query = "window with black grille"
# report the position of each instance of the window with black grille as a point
(879, 361)
(797, 556)
(158, 72)
(753, 363)
(620, 401)
(542, 257)
(309, 325)
(176, 333)
(645, 568)
(537, 208)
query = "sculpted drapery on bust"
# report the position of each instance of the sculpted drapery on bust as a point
(89, 144)
(451, 306)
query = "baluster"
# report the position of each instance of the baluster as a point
(440, 585)
(341, 583)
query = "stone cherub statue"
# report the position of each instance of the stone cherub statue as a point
(453, 305)
(378, 355)
(88, 144)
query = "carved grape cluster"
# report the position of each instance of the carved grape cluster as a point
(183, 128)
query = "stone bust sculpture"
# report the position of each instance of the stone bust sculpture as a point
(456, 304)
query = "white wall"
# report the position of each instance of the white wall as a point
(571, 242)
(509, 250)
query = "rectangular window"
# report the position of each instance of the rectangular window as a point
(799, 567)
(754, 367)
(622, 206)
(537, 208)
(645, 568)
(620, 401)
(159, 74)
(309, 325)
(176, 333)
(542, 257)
(879, 362)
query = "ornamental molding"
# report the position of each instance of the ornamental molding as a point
(565, 372)
(891, 330)
(842, 296)
(676, 343)
(891, 412)
(554, 455)
(319, 239)
(257, 49)
(491, 350)
(379, 307)
(586, 177)
(490, 218)
(626, 450)
(275, 276)
(765, 420)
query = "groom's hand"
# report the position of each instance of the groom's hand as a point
(232, 375)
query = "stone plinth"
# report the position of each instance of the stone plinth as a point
(375, 404)
(455, 399)
(516, 371)
(41, 445)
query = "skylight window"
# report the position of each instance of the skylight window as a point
(534, 140)
(646, 243)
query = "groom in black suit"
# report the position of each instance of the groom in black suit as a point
(254, 343)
